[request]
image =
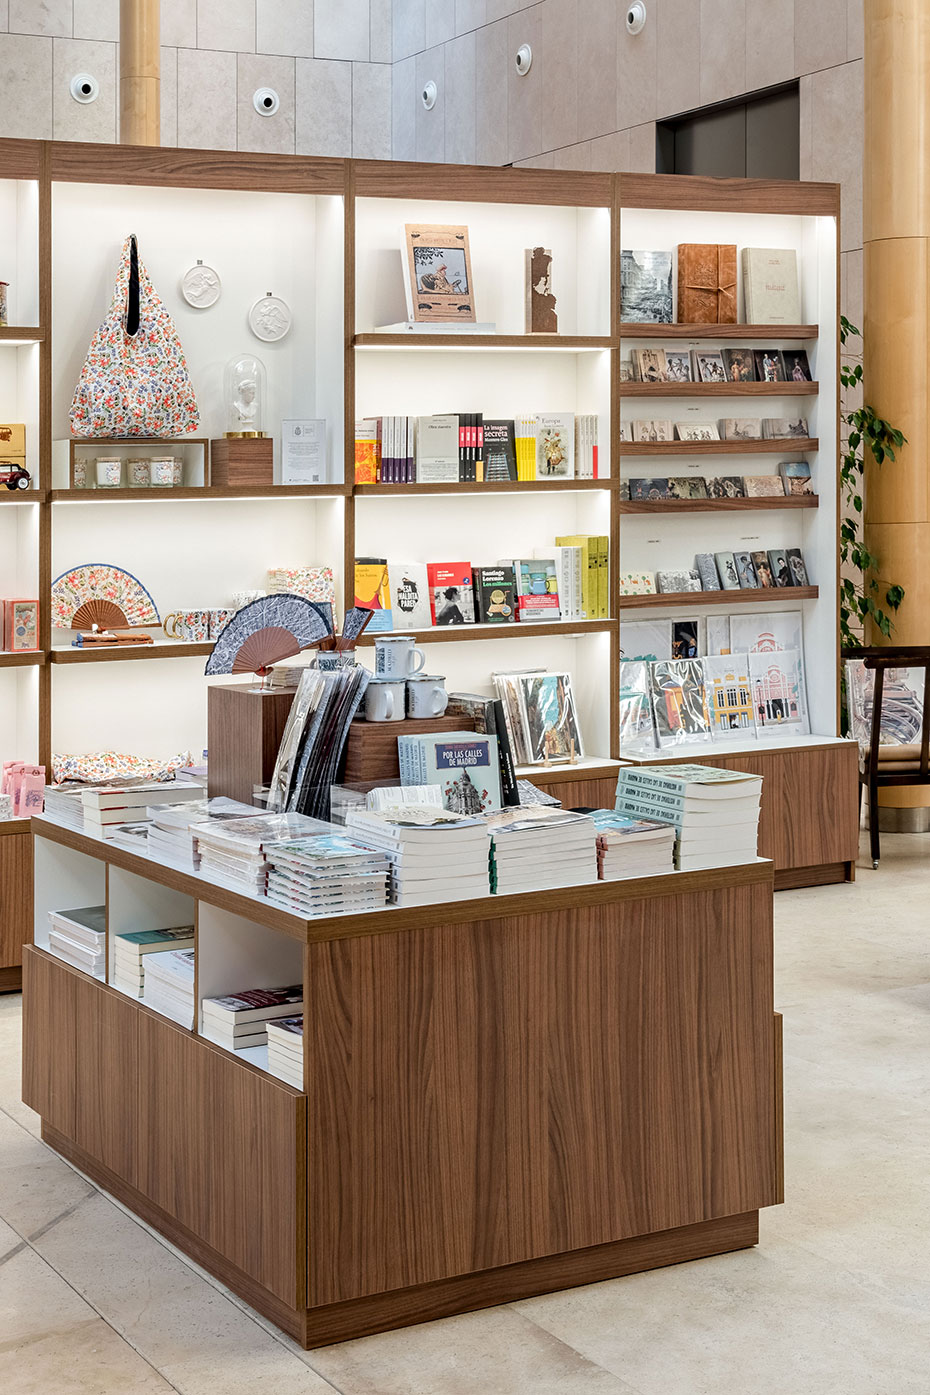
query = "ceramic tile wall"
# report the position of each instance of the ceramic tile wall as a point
(594, 92)
(328, 60)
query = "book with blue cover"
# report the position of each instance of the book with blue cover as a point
(464, 764)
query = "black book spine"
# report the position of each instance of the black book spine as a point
(509, 791)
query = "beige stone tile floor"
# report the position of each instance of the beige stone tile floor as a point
(834, 1301)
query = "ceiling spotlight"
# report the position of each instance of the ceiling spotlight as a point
(524, 59)
(84, 88)
(266, 101)
(429, 94)
(636, 17)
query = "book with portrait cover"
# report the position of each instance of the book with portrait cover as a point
(451, 596)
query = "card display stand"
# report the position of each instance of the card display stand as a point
(604, 1095)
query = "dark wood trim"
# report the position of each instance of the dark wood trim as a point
(210, 491)
(9, 827)
(398, 179)
(21, 159)
(779, 334)
(702, 193)
(14, 333)
(260, 1298)
(394, 919)
(25, 659)
(790, 501)
(823, 874)
(643, 390)
(699, 598)
(566, 343)
(444, 634)
(243, 171)
(11, 980)
(572, 486)
(120, 653)
(791, 445)
(569, 774)
(779, 1091)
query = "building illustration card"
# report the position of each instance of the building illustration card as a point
(728, 693)
(439, 284)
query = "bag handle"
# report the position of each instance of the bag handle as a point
(132, 298)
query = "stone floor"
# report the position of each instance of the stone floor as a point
(835, 1300)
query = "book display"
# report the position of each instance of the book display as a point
(276, 996)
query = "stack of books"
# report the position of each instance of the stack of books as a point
(539, 847)
(234, 851)
(63, 803)
(715, 812)
(132, 948)
(631, 847)
(326, 875)
(286, 1050)
(239, 1020)
(434, 855)
(168, 984)
(170, 838)
(105, 805)
(79, 937)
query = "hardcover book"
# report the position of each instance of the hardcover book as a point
(645, 287)
(726, 487)
(770, 286)
(439, 284)
(410, 596)
(537, 589)
(437, 449)
(650, 365)
(706, 283)
(796, 567)
(500, 456)
(726, 570)
(760, 560)
(451, 597)
(797, 368)
(464, 765)
(728, 694)
(739, 365)
(746, 571)
(649, 489)
(373, 591)
(495, 595)
(781, 572)
(687, 487)
(770, 366)
(706, 568)
(763, 486)
(796, 475)
(555, 446)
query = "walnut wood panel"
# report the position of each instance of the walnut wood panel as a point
(11, 980)
(77, 161)
(15, 898)
(509, 1090)
(572, 486)
(20, 159)
(648, 329)
(457, 634)
(219, 1148)
(826, 874)
(700, 598)
(371, 748)
(81, 1068)
(787, 445)
(414, 340)
(210, 491)
(790, 501)
(244, 730)
(792, 389)
(22, 660)
(14, 333)
(398, 179)
(779, 1091)
(125, 653)
(580, 794)
(339, 1322)
(692, 193)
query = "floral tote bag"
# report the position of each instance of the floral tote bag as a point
(135, 380)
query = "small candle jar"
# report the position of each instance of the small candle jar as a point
(80, 474)
(163, 471)
(109, 472)
(140, 472)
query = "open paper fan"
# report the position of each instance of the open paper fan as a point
(101, 582)
(102, 613)
(268, 630)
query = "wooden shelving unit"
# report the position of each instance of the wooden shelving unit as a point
(701, 390)
(790, 445)
(120, 653)
(463, 634)
(761, 334)
(187, 493)
(564, 343)
(677, 506)
(27, 658)
(499, 487)
(727, 598)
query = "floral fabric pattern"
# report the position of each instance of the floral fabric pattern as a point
(104, 767)
(101, 581)
(135, 385)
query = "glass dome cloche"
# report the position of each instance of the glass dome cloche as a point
(244, 395)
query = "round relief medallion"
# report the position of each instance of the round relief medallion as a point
(270, 318)
(201, 286)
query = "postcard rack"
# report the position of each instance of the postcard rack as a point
(244, 213)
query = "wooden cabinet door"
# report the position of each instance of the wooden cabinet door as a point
(15, 896)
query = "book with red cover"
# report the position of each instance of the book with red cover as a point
(452, 600)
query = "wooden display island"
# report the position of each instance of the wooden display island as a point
(502, 1097)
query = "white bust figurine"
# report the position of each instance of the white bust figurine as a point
(245, 405)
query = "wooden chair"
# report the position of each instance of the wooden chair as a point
(883, 766)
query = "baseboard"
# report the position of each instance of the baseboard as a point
(11, 980)
(820, 874)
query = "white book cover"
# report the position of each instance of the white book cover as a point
(778, 692)
(410, 597)
(770, 285)
(568, 564)
(555, 446)
(437, 449)
(728, 693)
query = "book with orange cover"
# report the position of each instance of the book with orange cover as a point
(706, 283)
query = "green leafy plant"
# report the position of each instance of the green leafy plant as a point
(861, 600)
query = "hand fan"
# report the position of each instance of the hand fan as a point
(98, 593)
(268, 630)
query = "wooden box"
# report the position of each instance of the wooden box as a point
(244, 729)
(13, 441)
(242, 461)
(371, 750)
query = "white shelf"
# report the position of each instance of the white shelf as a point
(721, 749)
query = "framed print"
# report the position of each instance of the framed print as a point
(439, 282)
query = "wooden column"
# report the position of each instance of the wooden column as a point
(896, 207)
(140, 72)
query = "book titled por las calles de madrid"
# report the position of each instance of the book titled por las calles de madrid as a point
(464, 765)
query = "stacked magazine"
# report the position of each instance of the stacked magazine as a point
(238, 1020)
(434, 855)
(168, 986)
(540, 847)
(64, 804)
(326, 875)
(715, 813)
(632, 847)
(170, 838)
(133, 947)
(314, 736)
(286, 1050)
(79, 937)
(234, 851)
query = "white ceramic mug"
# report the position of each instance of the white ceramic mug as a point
(384, 700)
(426, 695)
(396, 656)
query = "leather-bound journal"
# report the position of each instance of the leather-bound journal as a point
(706, 283)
